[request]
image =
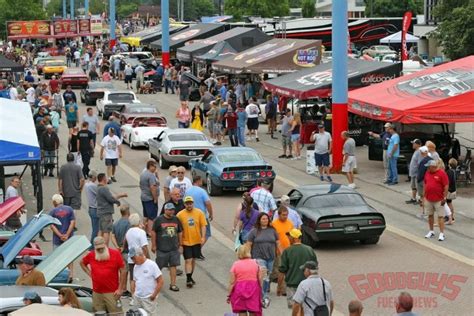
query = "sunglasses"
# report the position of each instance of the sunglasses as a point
(180, 172)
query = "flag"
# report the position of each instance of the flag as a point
(405, 26)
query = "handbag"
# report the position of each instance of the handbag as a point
(451, 195)
(319, 310)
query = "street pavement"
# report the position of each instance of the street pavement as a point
(437, 274)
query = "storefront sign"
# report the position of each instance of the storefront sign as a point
(84, 26)
(306, 57)
(29, 29)
(65, 27)
(96, 27)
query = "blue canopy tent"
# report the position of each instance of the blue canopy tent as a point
(19, 144)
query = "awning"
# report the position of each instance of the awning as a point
(239, 37)
(196, 31)
(317, 81)
(7, 65)
(150, 34)
(220, 51)
(216, 19)
(442, 94)
(275, 56)
(397, 38)
(17, 144)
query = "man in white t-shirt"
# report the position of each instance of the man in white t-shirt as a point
(253, 111)
(112, 146)
(322, 151)
(181, 182)
(147, 281)
(135, 237)
(13, 92)
(30, 94)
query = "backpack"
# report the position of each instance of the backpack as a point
(319, 310)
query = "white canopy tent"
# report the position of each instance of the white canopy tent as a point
(397, 38)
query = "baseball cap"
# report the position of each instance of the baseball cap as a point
(169, 206)
(320, 125)
(30, 295)
(135, 251)
(311, 265)
(188, 199)
(27, 260)
(416, 141)
(295, 233)
(431, 163)
(99, 242)
(424, 149)
(387, 125)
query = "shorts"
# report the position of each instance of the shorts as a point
(413, 183)
(350, 164)
(71, 124)
(322, 160)
(252, 123)
(208, 229)
(106, 223)
(128, 79)
(290, 292)
(150, 209)
(111, 162)
(147, 304)
(420, 188)
(285, 141)
(295, 137)
(217, 128)
(125, 260)
(183, 97)
(192, 252)
(73, 201)
(168, 259)
(211, 126)
(105, 302)
(434, 207)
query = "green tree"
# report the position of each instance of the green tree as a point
(193, 9)
(308, 8)
(262, 8)
(392, 8)
(455, 31)
(295, 3)
(55, 7)
(20, 10)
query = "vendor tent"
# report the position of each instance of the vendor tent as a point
(218, 52)
(7, 65)
(150, 34)
(196, 31)
(317, 81)
(397, 38)
(239, 37)
(274, 56)
(442, 94)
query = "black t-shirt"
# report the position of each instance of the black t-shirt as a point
(69, 94)
(73, 144)
(179, 206)
(167, 230)
(85, 137)
(93, 75)
(452, 180)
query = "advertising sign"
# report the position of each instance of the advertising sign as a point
(84, 26)
(405, 26)
(306, 57)
(96, 26)
(65, 27)
(28, 29)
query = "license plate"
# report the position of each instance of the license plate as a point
(245, 176)
(242, 189)
(192, 153)
(350, 228)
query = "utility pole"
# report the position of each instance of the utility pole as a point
(112, 23)
(72, 9)
(64, 9)
(86, 8)
(165, 33)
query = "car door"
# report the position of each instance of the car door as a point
(202, 165)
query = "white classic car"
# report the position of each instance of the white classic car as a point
(113, 99)
(138, 129)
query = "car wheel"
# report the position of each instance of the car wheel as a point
(370, 241)
(164, 164)
(212, 189)
(308, 240)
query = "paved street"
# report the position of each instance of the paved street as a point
(443, 270)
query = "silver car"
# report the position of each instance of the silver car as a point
(178, 146)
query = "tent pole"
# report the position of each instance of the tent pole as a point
(39, 194)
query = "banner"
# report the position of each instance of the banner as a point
(84, 26)
(96, 26)
(65, 28)
(29, 29)
(405, 26)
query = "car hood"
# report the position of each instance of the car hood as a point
(15, 244)
(191, 144)
(146, 132)
(10, 207)
(59, 259)
(316, 213)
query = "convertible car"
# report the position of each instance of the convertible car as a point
(178, 146)
(139, 128)
(95, 90)
(335, 212)
(231, 168)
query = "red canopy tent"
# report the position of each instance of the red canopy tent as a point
(442, 94)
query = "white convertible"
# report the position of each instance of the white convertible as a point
(138, 129)
(112, 101)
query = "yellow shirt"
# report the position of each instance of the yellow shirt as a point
(282, 228)
(192, 222)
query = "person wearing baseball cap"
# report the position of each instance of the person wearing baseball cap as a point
(166, 238)
(31, 297)
(29, 275)
(413, 169)
(322, 151)
(291, 260)
(385, 137)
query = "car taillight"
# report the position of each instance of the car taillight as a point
(231, 175)
(262, 173)
(225, 176)
(269, 173)
(175, 152)
(325, 225)
(375, 222)
(205, 151)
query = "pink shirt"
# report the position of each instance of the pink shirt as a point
(106, 76)
(245, 270)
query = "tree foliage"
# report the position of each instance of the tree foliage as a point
(295, 3)
(455, 31)
(20, 10)
(308, 8)
(55, 7)
(392, 8)
(262, 8)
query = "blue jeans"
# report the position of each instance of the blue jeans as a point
(95, 222)
(241, 135)
(392, 170)
(232, 132)
(268, 265)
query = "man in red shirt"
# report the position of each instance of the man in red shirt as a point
(54, 85)
(436, 184)
(231, 124)
(106, 268)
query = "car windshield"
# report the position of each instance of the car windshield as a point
(142, 110)
(242, 156)
(186, 137)
(55, 64)
(381, 47)
(121, 97)
(74, 72)
(101, 85)
(334, 200)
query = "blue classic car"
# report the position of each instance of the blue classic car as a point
(231, 168)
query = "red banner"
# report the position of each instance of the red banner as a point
(84, 26)
(65, 28)
(28, 29)
(405, 26)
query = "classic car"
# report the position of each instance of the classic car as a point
(194, 94)
(40, 56)
(74, 77)
(54, 67)
(139, 128)
(95, 90)
(231, 168)
(124, 112)
(114, 97)
(40, 64)
(335, 212)
(178, 146)
(377, 50)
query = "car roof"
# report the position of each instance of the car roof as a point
(13, 291)
(321, 189)
(171, 131)
(225, 150)
(121, 91)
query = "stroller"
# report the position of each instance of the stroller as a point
(463, 170)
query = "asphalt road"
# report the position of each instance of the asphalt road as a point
(438, 275)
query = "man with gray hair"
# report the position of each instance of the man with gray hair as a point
(293, 216)
(404, 305)
(314, 294)
(70, 182)
(355, 308)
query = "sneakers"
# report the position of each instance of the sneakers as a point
(329, 178)
(411, 201)
(257, 139)
(282, 156)
(441, 237)
(289, 157)
(430, 234)
(266, 302)
(321, 178)
(113, 179)
(132, 302)
(352, 185)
